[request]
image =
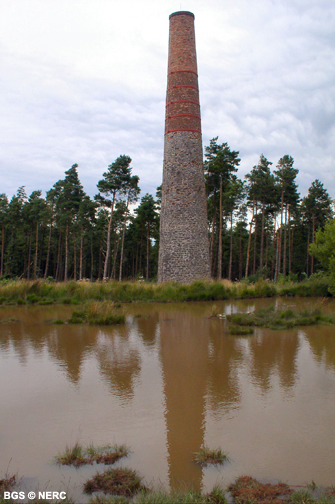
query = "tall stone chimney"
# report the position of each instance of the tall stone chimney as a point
(184, 246)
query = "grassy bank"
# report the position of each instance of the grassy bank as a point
(124, 486)
(43, 292)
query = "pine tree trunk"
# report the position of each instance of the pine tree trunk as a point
(116, 248)
(109, 270)
(249, 246)
(220, 235)
(108, 239)
(307, 259)
(148, 249)
(141, 243)
(48, 253)
(313, 234)
(280, 234)
(99, 268)
(212, 244)
(58, 256)
(292, 241)
(267, 248)
(277, 255)
(255, 242)
(289, 241)
(29, 252)
(36, 251)
(2, 249)
(66, 252)
(285, 242)
(122, 243)
(81, 254)
(231, 247)
(136, 262)
(262, 239)
(241, 257)
(92, 257)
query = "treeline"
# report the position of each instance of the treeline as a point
(257, 227)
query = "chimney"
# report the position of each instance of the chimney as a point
(183, 246)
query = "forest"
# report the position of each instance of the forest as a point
(259, 227)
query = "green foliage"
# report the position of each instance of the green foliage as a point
(324, 250)
(67, 235)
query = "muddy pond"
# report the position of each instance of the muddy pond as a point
(167, 382)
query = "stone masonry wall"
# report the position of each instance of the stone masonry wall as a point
(184, 248)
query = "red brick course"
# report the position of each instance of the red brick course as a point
(182, 97)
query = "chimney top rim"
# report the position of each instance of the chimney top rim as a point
(179, 13)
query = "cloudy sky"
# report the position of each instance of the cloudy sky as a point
(83, 81)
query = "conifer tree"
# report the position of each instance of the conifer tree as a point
(113, 187)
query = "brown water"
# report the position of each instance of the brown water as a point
(165, 384)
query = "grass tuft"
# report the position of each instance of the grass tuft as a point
(217, 496)
(110, 499)
(121, 481)
(206, 456)
(301, 497)
(57, 321)
(238, 330)
(98, 313)
(103, 313)
(215, 311)
(246, 490)
(71, 456)
(175, 497)
(7, 483)
(77, 455)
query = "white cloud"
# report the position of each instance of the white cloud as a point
(84, 82)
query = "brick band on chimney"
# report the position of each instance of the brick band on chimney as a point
(182, 97)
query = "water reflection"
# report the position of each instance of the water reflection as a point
(271, 354)
(322, 343)
(69, 346)
(225, 356)
(119, 362)
(147, 327)
(202, 375)
(184, 356)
